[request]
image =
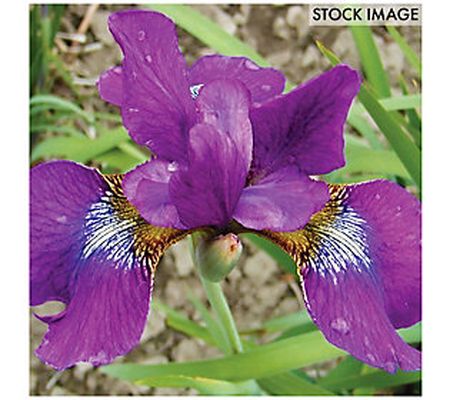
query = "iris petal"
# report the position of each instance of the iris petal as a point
(263, 83)
(147, 188)
(360, 266)
(156, 105)
(305, 127)
(110, 86)
(91, 250)
(282, 201)
(206, 192)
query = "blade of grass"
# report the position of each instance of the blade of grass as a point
(375, 379)
(261, 362)
(358, 122)
(178, 321)
(116, 161)
(204, 386)
(214, 328)
(264, 361)
(406, 150)
(413, 116)
(408, 52)
(370, 60)
(349, 366)
(61, 104)
(77, 148)
(297, 319)
(66, 130)
(207, 31)
(361, 159)
(289, 384)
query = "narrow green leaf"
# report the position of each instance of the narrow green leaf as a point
(370, 60)
(406, 150)
(62, 104)
(208, 32)
(64, 129)
(361, 159)
(408, 52)
(405, 102)
(375, 379)
(131, 149)
(395, 103)
(412, 334)
(181, 323)
(116, 161)
(264, 361)
(213, 327)
(77, 148)
(289, 384)
(205, 386)
(280, 256)
(349, 366)
(360, 123)
(413, 116)
(297, 319)
(334, 60)
(261, 362)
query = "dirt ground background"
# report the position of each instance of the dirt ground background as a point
(257, 289)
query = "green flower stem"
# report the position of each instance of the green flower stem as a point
(218, 302)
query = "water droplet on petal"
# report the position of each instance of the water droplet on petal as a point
(340, 325)
(377, 196)
(172, 167)
(133, 110)
(266, 88)
(134, 75)
(251, 65)
(195, 90)
(148, 58)
(61, 219)
(390, 367)
(370, 357)
(141, 36)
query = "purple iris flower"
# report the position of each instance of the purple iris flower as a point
(231, 153)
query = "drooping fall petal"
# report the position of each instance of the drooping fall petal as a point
(91, 250)
(361, 272)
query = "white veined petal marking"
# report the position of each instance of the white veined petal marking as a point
(109, 235)
(114, 231)
(339, 244)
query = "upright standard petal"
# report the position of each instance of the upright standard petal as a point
(205, 192)
(305, 127)
(263, 83)
(91, 250)
(359, 261)
(282, 201)
(157, 107)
